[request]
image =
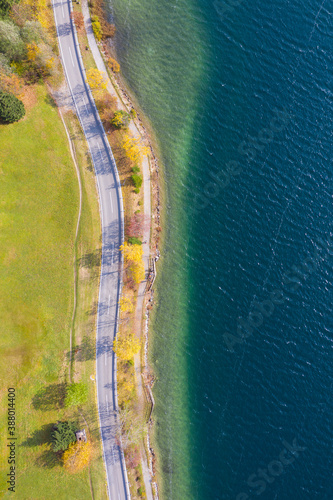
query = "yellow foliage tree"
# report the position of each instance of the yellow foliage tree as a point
(77, 457)
(137, 270)
(96, 80)
(133, 260)
(134, 148)
(126, 346)
(32, 51)
(126, 304)
(40, 12)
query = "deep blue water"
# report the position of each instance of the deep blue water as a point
(245, 287)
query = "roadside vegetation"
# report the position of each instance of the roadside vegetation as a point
(128, 152)
(39, 252)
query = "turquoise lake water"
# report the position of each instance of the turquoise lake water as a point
(240, 97)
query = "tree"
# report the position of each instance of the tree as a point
(40, 61)
(76, 394)
(10, 83)
(11, 108)
(78, 19)
(126, 346)
(129, 428)
(96, 79)
(120, 119)
(11, 43)
(137, 225)
(133, 260)
(134, 149)
(126, 304)
(77, 457)
(5, 6)
(32, 32)
(63, 435)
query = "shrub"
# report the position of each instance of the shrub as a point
(136, 169)
(137, 181)
(11, 108)
(63, 435)
(133, 113)
(113, 65)
(134, 241)
(97, 28)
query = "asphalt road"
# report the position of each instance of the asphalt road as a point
(112, 230)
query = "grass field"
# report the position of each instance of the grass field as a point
(39, 200)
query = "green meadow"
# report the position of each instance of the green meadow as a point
(39, 204)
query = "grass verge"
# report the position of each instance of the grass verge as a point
(39, 207)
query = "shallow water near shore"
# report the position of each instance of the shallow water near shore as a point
(240, 99)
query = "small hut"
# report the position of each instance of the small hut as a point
(81, 436)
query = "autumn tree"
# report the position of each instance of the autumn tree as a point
(96, 80)
(137, 225)
(120, 119)
(76, 394)
(78, 456)
(134, 148)
(126, 346)
(40, 61)
(106, 104)
(129, 428)
(78, 20)
(133, 261)
(10, 83)
(40, 12)
(126, 304)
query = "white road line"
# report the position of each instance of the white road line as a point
(107, 403)
(109, 303)
(62, 8)
(70, 53)
(111, 202)
(105, 359)
(112, 253)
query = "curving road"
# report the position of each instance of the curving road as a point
(111, 208)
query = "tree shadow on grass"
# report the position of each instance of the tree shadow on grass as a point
(91, 260)
(40, 436)
(50, 398)
(49, 459)
(85, 351)
(50, 100)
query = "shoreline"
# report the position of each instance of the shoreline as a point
(153, 181)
